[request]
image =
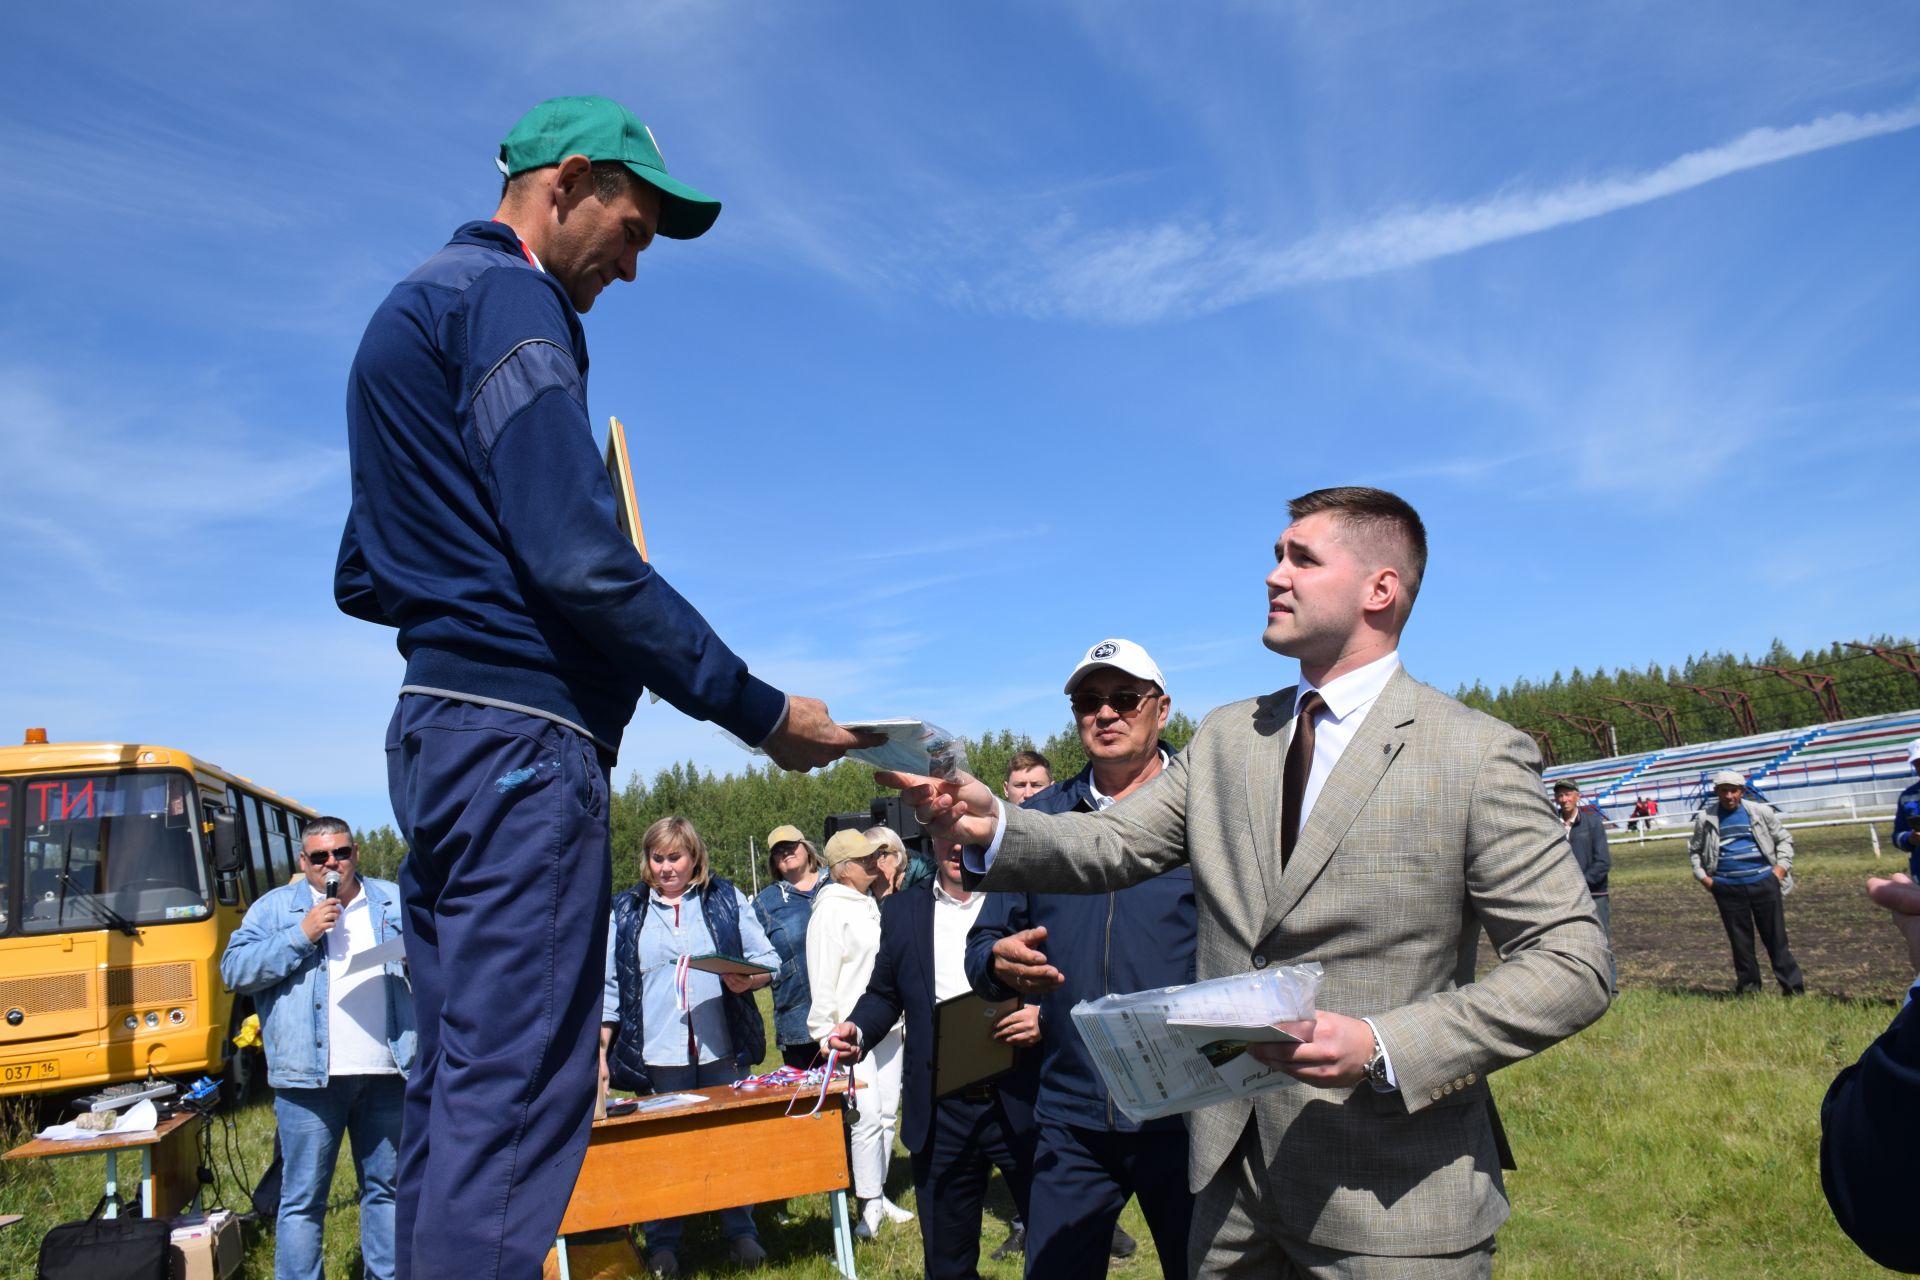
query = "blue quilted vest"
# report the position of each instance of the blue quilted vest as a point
(626, 1056)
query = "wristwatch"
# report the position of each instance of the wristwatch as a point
(1376, 1068)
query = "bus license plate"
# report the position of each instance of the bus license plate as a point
(23, 1072)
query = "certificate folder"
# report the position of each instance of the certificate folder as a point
(964, 1050)
(716, 962)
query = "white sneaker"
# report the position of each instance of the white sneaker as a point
(872, 1214)
(894, 1212)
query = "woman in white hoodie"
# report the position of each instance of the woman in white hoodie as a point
(842, 939)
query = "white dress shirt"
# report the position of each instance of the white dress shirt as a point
(952, 918)
(1349, 698)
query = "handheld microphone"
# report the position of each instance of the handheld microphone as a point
(333, 885)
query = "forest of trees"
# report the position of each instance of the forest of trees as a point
(735, 811)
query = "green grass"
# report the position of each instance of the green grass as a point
(1675, 1138)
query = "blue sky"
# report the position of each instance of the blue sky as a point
(1021, 324)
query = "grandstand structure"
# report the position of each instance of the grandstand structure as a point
(1838, 770)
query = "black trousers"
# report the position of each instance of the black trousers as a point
(1081, 1181)
(1746, 909)
(969, 1137)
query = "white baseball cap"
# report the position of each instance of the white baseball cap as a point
(1913, 751)
(1120, 655)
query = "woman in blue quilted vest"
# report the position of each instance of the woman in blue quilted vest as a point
(666, 1027)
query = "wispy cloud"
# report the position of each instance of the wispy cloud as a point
(1190, 267)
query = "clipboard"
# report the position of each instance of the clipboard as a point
(721, 963)
(620, 471)
(964, 1050)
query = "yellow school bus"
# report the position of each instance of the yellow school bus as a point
(124, 869)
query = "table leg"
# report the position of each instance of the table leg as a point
(146, 1182)
(560, 1251)
(113, 1185)
(842, 1234)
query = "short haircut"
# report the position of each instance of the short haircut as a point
(889, 839)
(667, 835)
(611, 180)
(1391, 527)
(328, 826)
(1028, 760)
(774, 853)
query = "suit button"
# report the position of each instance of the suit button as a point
(1437, 1095)
(1471, 1078)
(1259, 962)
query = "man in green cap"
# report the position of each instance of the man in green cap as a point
(483, 528)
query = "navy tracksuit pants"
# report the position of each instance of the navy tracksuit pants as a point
(506, 889)
(1081, 1181)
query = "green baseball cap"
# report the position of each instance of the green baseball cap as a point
(602, 129)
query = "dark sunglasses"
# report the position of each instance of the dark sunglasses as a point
(321, 857)
(1123, 701)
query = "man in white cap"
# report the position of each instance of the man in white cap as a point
(1906, 813)
(1089, 1157)
(1742, 855)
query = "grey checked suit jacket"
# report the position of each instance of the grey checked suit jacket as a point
(1432, 825)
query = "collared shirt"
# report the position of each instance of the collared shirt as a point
(952, 918)
(1101, 800)
(357, 1008)
(1349, 698)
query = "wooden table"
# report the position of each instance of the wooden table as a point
(734, 1147)
(169, 1182)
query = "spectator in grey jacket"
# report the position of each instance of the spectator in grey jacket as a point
(1742, 855)
(1588, 836)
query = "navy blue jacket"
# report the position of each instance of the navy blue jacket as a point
(902, 983)
(1588, 836)
(1869, 1137)
(626, 1056)
(1906, 827)
(1133, 939)
(483, 522)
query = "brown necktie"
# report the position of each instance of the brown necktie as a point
(1294, 780)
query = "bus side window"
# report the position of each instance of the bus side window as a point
(236, 802)
(257, 845)
(278, 843)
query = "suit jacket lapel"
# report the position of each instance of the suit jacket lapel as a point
(1273, 725)
(1346, 792)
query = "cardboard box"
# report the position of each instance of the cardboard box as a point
(210, 1250)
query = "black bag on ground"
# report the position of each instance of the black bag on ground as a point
(107, 1249)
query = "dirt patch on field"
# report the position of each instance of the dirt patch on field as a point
(1669, 936)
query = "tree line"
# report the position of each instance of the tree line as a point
(733, 812)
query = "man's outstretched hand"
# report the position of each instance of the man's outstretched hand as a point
(1019, 964)
(959, 809)
(809, 738)
(1901, 896)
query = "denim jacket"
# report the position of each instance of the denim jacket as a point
(784, 912)
(271, 959)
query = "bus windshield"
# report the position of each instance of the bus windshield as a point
(107, 851)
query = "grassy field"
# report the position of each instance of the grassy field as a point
(1676, 1138)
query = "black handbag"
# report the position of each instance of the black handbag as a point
(108, 1249)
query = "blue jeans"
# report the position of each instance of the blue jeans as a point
(366, 1109)
(734, 1223)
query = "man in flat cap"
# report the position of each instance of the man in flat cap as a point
(1743, 856)
(483, 529)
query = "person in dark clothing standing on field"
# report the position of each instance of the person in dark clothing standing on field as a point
(1743, 856)
(483, 528)
(1090, 1157)
(1588, 836)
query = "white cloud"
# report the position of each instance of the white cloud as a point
(1188, 267)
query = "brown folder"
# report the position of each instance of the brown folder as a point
(964, 1050)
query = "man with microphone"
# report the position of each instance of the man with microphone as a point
(339, 1039)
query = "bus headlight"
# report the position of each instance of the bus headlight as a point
(132, 1022)
(153, 1018)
